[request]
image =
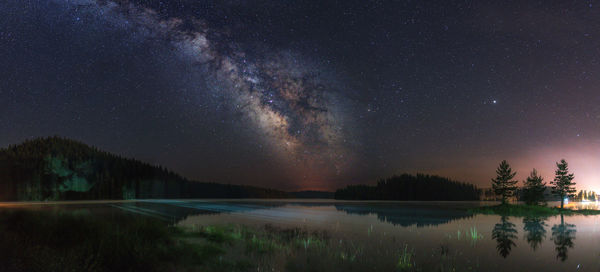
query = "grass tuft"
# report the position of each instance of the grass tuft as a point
(405, 260)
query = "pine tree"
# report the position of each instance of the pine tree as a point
(534, 188)
(563, 185)
(503, 184)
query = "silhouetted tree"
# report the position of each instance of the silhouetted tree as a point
(563, 235)
(504, 233)
(503, 184)
(535, 231)
(563, 185)
(533, 189)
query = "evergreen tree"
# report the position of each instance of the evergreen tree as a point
(534, 189)
(503, 184)
(563, 185)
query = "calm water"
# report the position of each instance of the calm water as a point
(433, 231)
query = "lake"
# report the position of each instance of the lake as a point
(437, 235)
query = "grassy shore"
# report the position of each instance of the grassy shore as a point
(79, 241)
(59, 240)
(529, 210)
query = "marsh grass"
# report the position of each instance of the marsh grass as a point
(474, 236)
(529, 210)
(79, 241)
(60, 241)
(405, 262)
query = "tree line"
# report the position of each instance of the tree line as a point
(533, 187)
(56, 168)
(411, 187)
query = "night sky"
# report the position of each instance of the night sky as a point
(310, 94)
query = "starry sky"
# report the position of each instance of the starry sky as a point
(310, 94)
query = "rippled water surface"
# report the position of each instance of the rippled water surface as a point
(434, 232)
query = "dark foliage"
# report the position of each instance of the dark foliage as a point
(503, 184)
(57, 241)
(563, 235)
(505, 234)
(535, 231)
(409, 187)
(533, 189)
(529, 210)
(406, 215)
(563, 185)
(56, 168)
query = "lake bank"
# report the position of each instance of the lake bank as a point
(247, 235)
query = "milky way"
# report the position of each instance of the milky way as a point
(309, 94)
(289, 101)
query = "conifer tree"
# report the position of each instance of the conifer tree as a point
(563, 185)
(533, 189)
(503, 184)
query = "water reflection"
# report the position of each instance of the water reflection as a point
(535, 231)
(402, 215)
(447, 230)
(177, 210)
(504, 233)
(563, 235)
(407, 216)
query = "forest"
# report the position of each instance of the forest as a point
(56, 168)
(411, 187)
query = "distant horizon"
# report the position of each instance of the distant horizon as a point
(369, 182)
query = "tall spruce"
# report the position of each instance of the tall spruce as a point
(503, 184)
(533, 189)
(563, 185)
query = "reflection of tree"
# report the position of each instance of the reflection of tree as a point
(406, 215)
(563, 236)
(535, 231)
(504, 233)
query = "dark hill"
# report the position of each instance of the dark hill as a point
(56, 168)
